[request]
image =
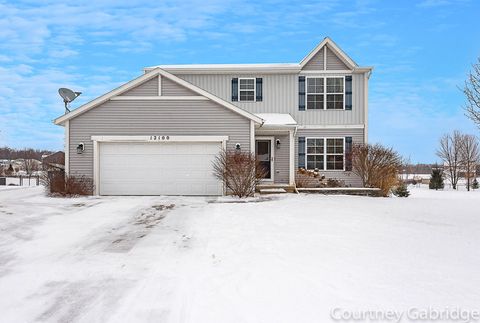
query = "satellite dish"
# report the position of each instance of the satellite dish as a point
(68, 96)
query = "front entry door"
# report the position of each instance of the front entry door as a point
(264, 152)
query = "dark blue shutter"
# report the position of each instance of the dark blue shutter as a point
(235, 89)
(301, 93)
(348, 92)
(259, 89)
(348, 153)
(301, 152)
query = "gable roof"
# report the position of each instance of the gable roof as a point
(145, 77)
(330, 44)
(265, 68)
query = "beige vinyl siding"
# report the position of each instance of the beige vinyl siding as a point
(316, 62)
(357, 137)
(170, 88)
(280, 95)
(148, 88)
(333, 62)
(153, 117)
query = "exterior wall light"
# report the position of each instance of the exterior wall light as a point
(237, 146)
(80, 148)
(277, 142)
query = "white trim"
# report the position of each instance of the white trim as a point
(325, 153)
(333, 126)
(292, 158)
(327, 42)
(228, 68)
(159, 138)
(325, 58)
(327, 72)
(324, 91)
(96, 168)
(252, 137)
(146, 77)
(365, 108)
(163, 98)
(272, 156)
(254, 89)
(97, 140)
(159, 85)
(67, 147)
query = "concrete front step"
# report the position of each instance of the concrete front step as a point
(272, 191)
(286, 187)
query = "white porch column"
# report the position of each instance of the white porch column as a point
(292, 157)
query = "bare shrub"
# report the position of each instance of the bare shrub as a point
(308, 178)
(239, 171)
(57, 183)
(332, 182)
(377, 166)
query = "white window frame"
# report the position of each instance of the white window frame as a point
(307, 93)
(324, 92)
(306, 151)
(254, 89)
(325, 153)
(336, 93)
(335, 154)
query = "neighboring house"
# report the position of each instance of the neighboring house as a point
(55, 161)
(159, 133)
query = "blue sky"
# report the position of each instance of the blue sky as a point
(421, 51)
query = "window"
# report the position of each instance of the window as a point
(325, 153)
(315, 153)
(315, 93)
(335, 153)
(335, 93)
(246, 89)
(325, 93)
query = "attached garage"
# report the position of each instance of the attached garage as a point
(155, 135)
(173, 166)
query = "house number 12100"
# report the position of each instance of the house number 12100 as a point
(156, 138)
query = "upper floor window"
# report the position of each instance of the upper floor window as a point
(246, 89)
(335, 93)
(325, 93)
(315, 93)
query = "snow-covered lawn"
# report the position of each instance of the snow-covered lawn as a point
(285, 258)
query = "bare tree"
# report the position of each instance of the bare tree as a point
(470, 156)
(239, 171)
(377, 166)
(450, 153)
(30, 164)
(471, 89)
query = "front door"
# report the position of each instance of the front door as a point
(264, 152)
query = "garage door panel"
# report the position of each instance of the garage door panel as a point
(158, 169)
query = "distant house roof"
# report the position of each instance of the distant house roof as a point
(57, 158)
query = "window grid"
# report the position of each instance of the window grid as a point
(315, 93)
(325, 153)
(325, 93)
(246, 89)
(335, 93)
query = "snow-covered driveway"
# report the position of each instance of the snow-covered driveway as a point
(293, 258)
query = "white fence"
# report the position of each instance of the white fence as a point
(21, 180)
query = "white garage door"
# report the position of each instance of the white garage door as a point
(158, 168)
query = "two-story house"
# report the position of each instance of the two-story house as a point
(159, 133)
